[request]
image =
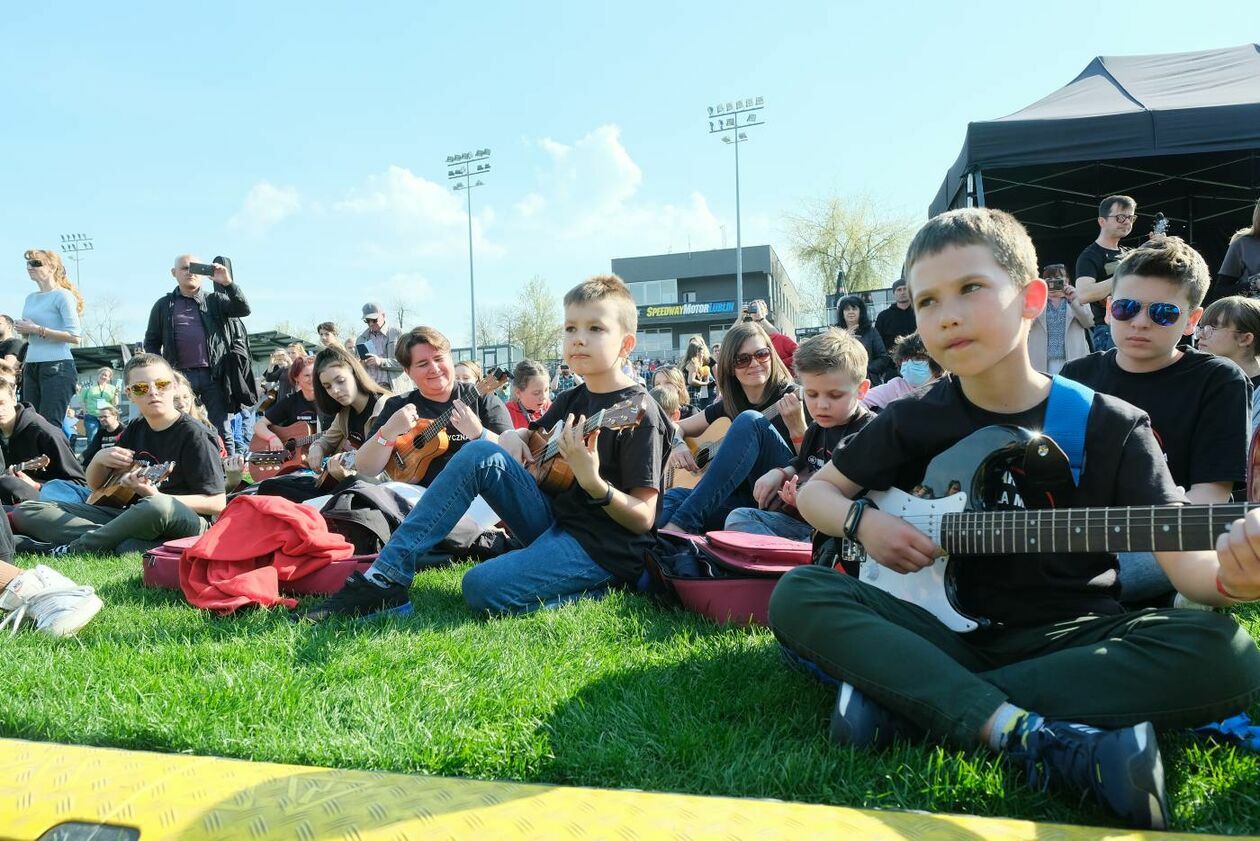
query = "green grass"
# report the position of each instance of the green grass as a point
(616, 693)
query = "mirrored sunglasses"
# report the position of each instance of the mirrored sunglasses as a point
(1163, 314)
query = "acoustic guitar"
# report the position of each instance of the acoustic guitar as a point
(264, 463)
(324, 480)
(550, 471)
(117, 495)
(37, 463)
(705, 445)
(416, 448)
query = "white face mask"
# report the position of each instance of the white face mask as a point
(916, 371)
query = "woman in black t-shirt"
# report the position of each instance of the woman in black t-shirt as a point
(296, 407)
(343, 390)
(753, 381)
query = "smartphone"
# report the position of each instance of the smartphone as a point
(1054, 284)
(206, 269)
(363, 350)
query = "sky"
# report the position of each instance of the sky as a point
(307, 141)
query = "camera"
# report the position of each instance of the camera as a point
(750, 309)
(1055, 284)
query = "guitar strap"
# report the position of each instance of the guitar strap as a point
(1066, 415)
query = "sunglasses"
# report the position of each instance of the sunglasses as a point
(743, 360)
(1126, 309)
(35, 264)
(1124, 217)
(141, 389)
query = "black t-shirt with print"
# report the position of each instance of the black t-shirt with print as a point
(1100, 264)
(1123, 466)
(628, 459)
(102, 441)
(188, 443)
(293, 408)
(821, 443)
(1199, 408)
(489, 408)
(357, 422)
(717, 409)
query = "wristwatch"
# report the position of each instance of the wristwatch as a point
(854, 517)
(603, 501)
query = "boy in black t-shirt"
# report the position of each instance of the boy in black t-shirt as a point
(180, 506)
(1198, 403)
(584, 540)
(832, 368)
(1062, 657)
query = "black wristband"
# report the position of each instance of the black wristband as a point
(603, 501)
(854, 518)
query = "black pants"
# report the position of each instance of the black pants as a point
(6, 540)
(48, 386)
(13, 490)
(214, 398)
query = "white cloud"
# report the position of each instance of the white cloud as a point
(591, 192)
(428, 216)
(265, 205)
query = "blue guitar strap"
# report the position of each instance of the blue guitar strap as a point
(1066, 415)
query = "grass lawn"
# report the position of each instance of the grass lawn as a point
(617, 693)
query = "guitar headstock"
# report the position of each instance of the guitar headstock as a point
(276, 457)
(158, 473)
(37, 463)
(626, 414)
(492, 381)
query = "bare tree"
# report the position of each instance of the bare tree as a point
(849, 234)
(100, 323)
(533, 323)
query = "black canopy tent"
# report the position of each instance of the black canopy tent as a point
(1180, 133)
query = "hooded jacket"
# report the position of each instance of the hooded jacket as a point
(34, 436)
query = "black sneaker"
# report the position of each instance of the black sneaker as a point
(1122, 768)
(23, 545)
(361, 598)
(859, 722)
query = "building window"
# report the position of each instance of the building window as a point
(689, 297)
(650, 292)
(716, 332)
(654, 343)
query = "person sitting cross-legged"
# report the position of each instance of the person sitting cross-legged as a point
(584, 540)
(179, 506)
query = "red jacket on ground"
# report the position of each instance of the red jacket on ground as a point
(257, 542)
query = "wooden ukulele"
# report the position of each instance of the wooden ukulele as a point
(416, 448)
(117, 495)
(705, 445)
(550, 471)
(264, 463)
(37, 463)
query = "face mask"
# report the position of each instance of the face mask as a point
(916, 371)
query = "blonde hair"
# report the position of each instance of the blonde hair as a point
(831, 350)
(51, 258)
(195, 409)
(607, 287)
(667, 398)
(675, 378)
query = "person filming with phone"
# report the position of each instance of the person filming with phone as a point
(189, 328)
(1060, 333)
(375, 346)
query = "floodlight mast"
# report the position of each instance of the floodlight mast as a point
(462, 168)
(729, 119)
(74, 246)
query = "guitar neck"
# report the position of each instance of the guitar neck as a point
(553, 445)
(1168, 528)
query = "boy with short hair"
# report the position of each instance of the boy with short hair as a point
(1062, 657)
(1198, 403)
(180, 506)
(667, 398)
(582, 541)
(832, 369)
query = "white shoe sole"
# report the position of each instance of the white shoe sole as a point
(70, 624)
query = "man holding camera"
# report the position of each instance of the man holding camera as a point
(375, 346)
(189, 328)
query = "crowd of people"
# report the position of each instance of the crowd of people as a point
(1156, 395)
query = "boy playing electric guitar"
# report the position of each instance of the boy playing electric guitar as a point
(1063, 658)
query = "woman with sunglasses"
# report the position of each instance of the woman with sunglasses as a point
(752, 379)
(50, 325)
(180, 505)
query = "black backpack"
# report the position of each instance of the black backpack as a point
(366, 514)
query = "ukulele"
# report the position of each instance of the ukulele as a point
(265, 463)
(117, 495)
(37, 463)
(550, 471)
(416, 448)
(968, 517)
(705, 445)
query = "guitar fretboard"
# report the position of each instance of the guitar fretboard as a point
(553, 445)
(1166, 528)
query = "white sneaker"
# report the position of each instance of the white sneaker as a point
(54, 604)
(1180, 601)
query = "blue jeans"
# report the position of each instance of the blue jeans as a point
(751, 447)
(1102, 337)
(1142, 579)
(771, 523)
(553, 568)
(91, 423)
(59, 490)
